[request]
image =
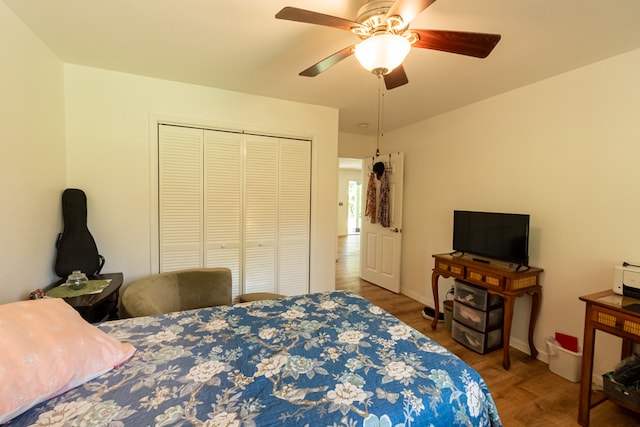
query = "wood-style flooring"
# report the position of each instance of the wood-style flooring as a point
(526, 395)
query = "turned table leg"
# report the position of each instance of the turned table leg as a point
(509, 301)
(434, 288)
(535, 309)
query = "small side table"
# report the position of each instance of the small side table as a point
(98, 307)
(610, 313)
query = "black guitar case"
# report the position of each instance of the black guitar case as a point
(76, 248)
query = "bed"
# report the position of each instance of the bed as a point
(326, 359)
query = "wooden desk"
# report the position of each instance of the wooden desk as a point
(508, 284)
(605, 311)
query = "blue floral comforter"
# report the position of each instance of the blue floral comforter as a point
(330, 359)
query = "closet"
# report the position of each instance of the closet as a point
(237, 200)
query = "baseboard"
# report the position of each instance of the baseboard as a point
(418, 297)
(523, 346)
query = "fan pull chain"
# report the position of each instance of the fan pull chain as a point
(380, 132)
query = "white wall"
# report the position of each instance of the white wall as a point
(356, 146)
(566, 151)
(110, 135)
(32, 176)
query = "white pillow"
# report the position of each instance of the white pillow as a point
(46, 348)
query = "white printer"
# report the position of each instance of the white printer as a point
(626, 280)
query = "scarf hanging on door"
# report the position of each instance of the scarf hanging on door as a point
(370, 207)
(383, 210)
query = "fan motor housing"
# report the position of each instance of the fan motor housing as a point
(372, 16)
(372, 10)
(375, 7)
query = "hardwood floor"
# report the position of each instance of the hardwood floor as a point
(526, 395)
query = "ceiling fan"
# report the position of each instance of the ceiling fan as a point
(383, 27)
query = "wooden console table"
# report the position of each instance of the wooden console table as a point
(508, 284)
(607, 312)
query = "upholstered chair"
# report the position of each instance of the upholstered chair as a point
(176, 291)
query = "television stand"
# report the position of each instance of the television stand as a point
(507, 283)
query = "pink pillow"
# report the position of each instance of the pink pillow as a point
(46, 348)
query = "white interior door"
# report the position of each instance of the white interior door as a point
(223, 203)
(381, 247)
(180, 211)
(260, 214)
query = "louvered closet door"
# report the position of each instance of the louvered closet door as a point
(293, 220)
(260, 213)
(223, 202)
(180, 197)
(238, 201)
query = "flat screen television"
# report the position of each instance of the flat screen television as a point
(500, 236)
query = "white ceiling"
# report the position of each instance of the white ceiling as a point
(240, 46)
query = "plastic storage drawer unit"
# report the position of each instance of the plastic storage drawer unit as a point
(477, 341)
(628, 395)
(475, 296)
(478, 319)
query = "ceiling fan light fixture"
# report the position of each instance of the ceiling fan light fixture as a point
(380, 54)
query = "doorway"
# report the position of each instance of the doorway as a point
(349, 196)
(354, 206)
(349, 220)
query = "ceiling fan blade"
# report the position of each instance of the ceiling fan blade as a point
(310, 17)
(408, 9)
(479, 45)
(396, 78)
(329, 61)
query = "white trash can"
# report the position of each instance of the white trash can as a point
(563, 362)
